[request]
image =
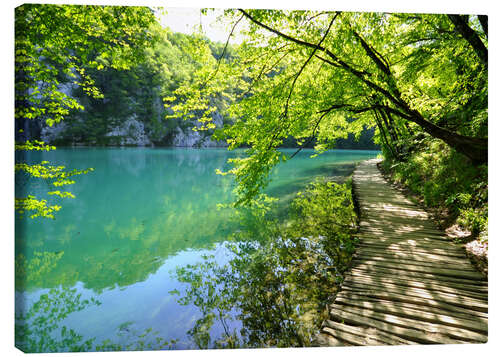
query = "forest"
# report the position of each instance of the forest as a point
(276, 119)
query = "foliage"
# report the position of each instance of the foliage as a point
(326, 209)
(36, 327)
(53, 42)
(56, 40)
(446, 181)
(137, 92)
(305, 74)
(29, 270)
(54, 176)
(40, 328)
(278, 276)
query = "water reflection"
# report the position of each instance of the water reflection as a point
(140, 214)
(280, 275)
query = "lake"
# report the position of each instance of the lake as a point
(140, 215)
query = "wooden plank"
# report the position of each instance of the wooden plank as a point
(414, 239)
(323, 340)
(372, 245)
(463, 314)
(402, 332)
(366, 200)
(390, 232)
(396, 234)
(463, 301)
(350, 338)
(391, 296)
(417, 256)
(411, 242)
(393, 225)
(373, 333)
(430, 285)
(464, 265)
(424, 278)
(415, 314)
(427, 327)
(393, 210)
(473, 275)
(404, 274)
(387, 196)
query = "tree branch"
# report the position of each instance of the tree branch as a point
(223, 51)
(313, 135)
(462, 27)
(261, 72)
(374, 55)
(300, 42)
(285, 112)
(306, 62)
(483, 19)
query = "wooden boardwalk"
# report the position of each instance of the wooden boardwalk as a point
(408, 284)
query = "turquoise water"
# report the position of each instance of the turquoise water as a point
(140, 214)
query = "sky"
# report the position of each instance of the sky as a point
(186, 20)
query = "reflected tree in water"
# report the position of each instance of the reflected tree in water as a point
(40, 328)
(280, 275)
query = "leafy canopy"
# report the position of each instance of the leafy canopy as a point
(326, 74)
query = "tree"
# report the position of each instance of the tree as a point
(304, 73)
(54, 42)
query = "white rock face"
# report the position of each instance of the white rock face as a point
(189, 138)
(51, 133)
(67, 88)
(131, 133)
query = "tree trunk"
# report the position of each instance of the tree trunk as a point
(384, 136)
(475, 149)
(463, 28)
